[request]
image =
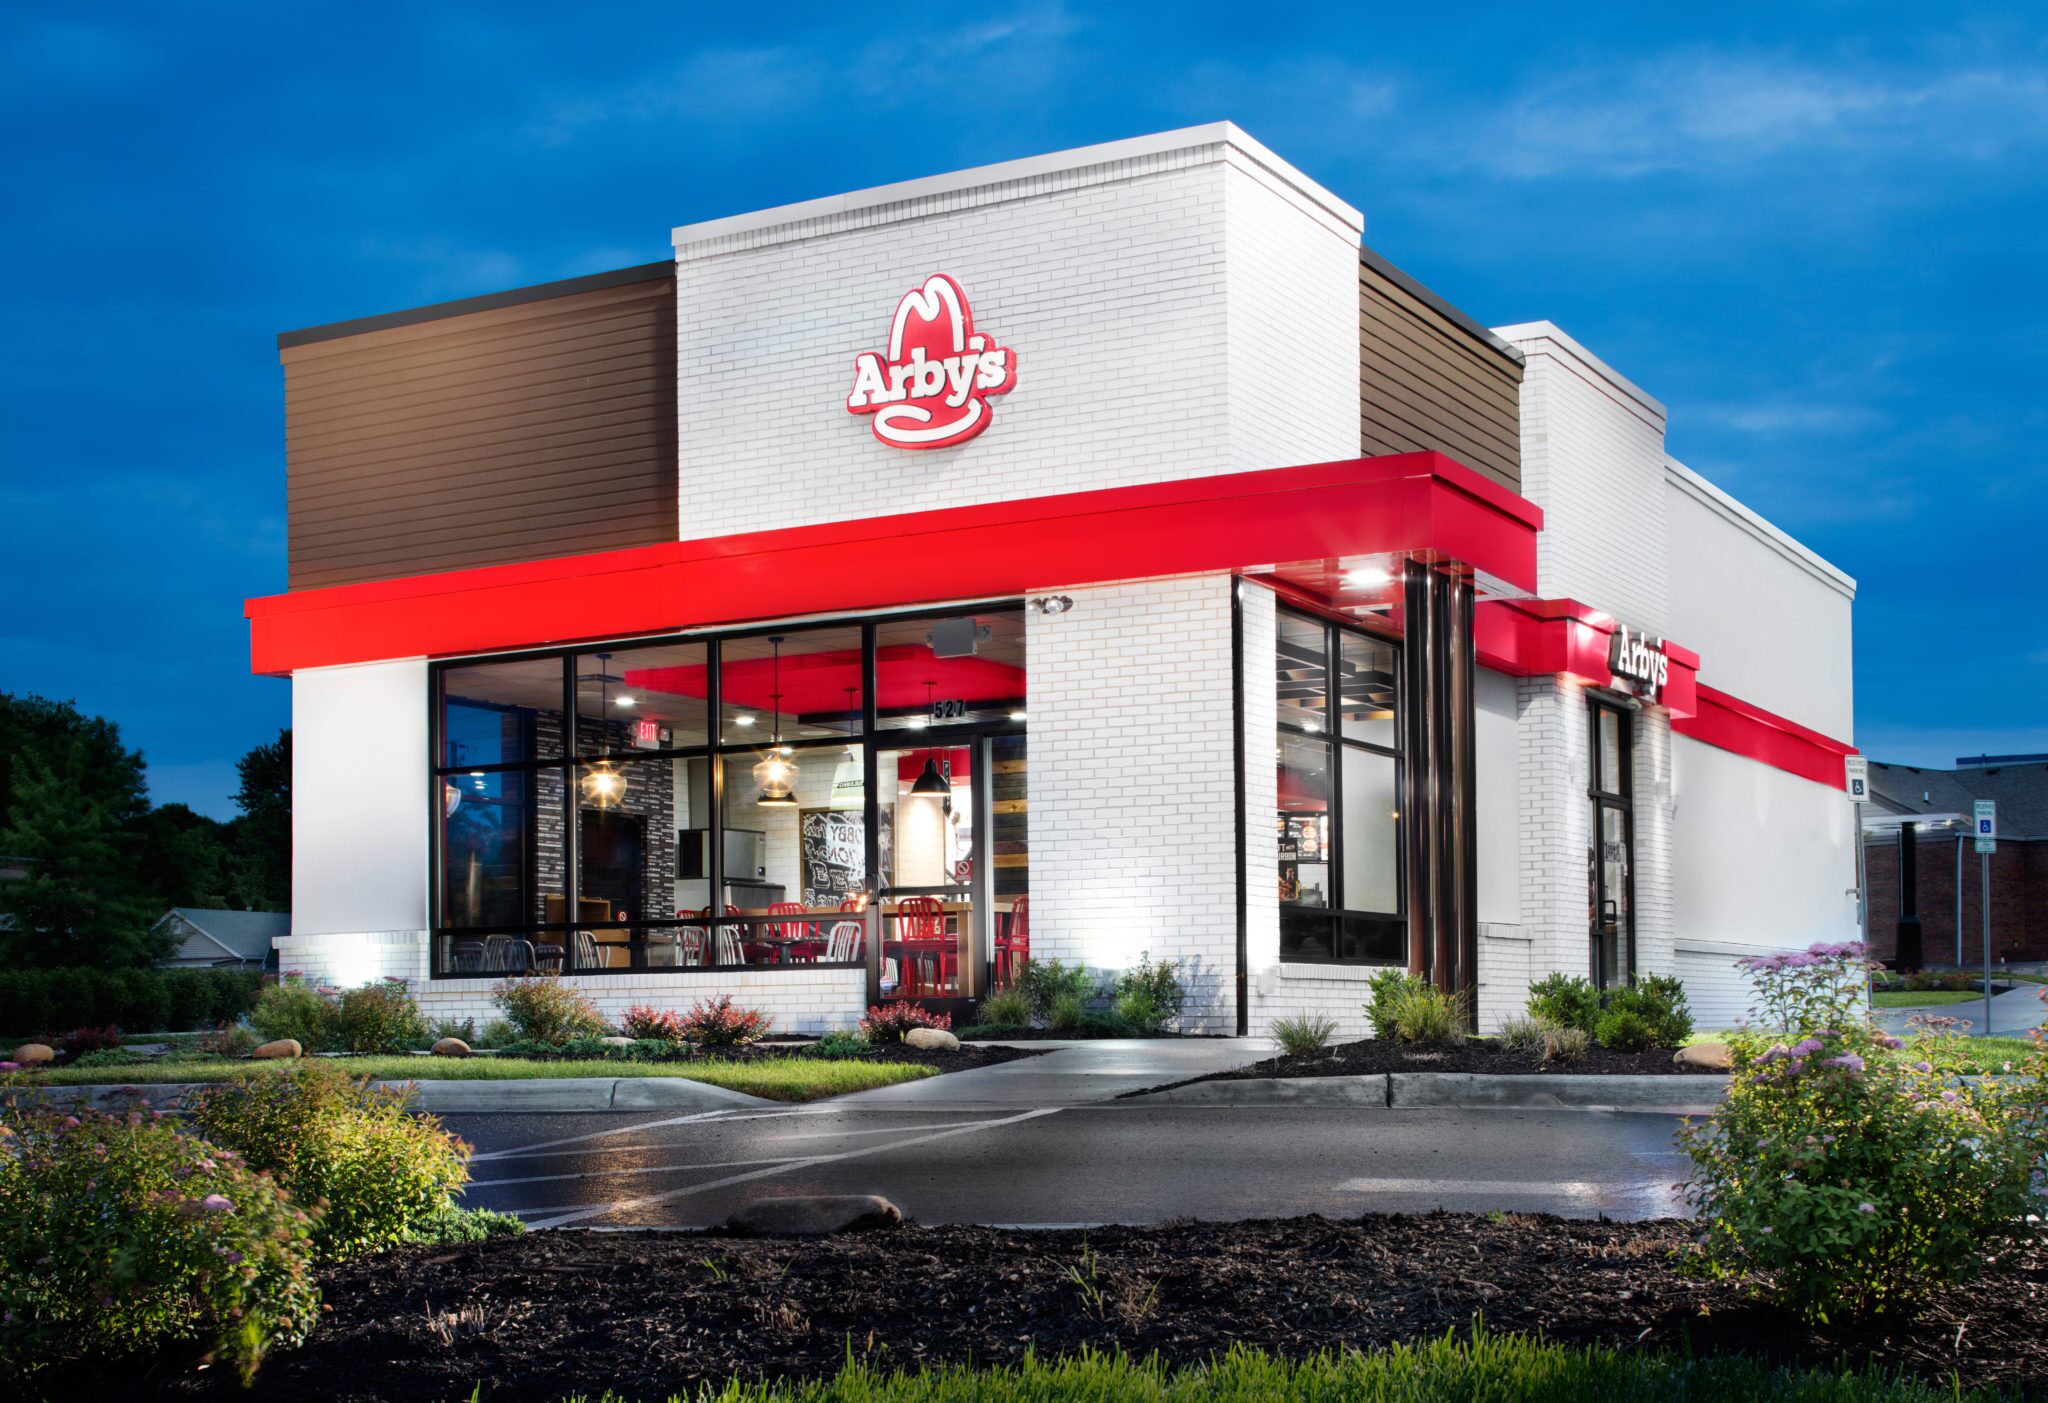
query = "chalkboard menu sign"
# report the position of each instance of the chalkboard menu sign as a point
(834, 843)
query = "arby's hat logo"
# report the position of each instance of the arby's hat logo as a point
(931, 388)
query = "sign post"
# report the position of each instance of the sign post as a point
(1856, 784)
(1985, 814)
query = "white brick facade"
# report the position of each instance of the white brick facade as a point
(1179, 306)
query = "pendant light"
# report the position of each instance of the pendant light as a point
(932, 784)
(776, 772)
(603, 786)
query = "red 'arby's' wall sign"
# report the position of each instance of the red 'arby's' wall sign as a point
(931, 388)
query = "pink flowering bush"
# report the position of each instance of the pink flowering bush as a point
(123, 1238)
(887, 1023)
(1847, 1176)
(721, 1023)
(376, 1170)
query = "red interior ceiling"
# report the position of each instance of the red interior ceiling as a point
(815, 682)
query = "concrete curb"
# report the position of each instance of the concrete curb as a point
(460, 1097)
(1676, 1094)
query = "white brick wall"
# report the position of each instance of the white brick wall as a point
(1177, 309)
(1556, 821)
(1593, 459)
(1133, 832)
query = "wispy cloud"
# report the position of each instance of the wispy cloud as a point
(1789, 417)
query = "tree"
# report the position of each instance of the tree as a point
(186, 859)
(72, 817)
(262, 836)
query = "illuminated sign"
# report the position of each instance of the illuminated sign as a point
(931, 388)
(1637, 660)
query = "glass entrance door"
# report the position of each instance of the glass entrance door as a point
(931, 878)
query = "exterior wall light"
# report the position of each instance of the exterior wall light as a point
(1052, 604)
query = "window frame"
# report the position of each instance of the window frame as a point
(868, 735)
(1337, 745)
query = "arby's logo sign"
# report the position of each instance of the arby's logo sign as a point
(931, 388)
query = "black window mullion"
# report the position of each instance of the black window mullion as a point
(1333, 725)
(714, 858)
(572, 819)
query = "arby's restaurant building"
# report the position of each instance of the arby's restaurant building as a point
(1092, 555)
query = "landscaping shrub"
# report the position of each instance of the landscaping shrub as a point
(496, 1033)
(121, 1236)
(463, 1028)
(887, 1023)
(1106, 1023)
(1150, 995)
(1803, 991)
(1066, 1013)
(1565, 1001)
(1951, 980)
(721, 1023)
(1546, 1042)
(452, 1226)
(541, 1008)
(1304, 1033)
(79, 1041)
(1386, 989)
(112, 1057)
(660, 1024)
(1852, 1183)
(1007, 1008)
(1648, 1013)
(836, 1045)
(227, 1040)
(148, 1000)
(292, 1008)
(336, 1141)
(1428, 1016)
(1044, 983)
(381, 1016)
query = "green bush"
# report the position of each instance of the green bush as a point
(1428, 1016)
(1648, 1013)
(381, 1016)
(121, 1236)
(1007, 1008)
(1044, 983)
(112, 1057)
(145, 1000)
(496, 1033)
(335, 1140)
(1565, 1001)
(1066, 1013)
(292, 1008)
(1851, 1183)
(1150, 994)
(837, 1045)
(543, 1009)
(1104, 1024)
(463, 1028)
(1543, 1042)
(1304, 1034)
(454, 1227)
(1386, 989)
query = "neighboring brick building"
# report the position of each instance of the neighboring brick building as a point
(1248, 605)
(2019, 869)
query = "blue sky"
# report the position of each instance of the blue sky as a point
(1813, 230)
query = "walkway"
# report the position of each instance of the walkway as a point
(2012, 1013)
(1072, 1074)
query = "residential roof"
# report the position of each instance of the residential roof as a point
(243, 934)
(2020, 791)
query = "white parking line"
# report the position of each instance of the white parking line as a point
(600, 1210)
(635, 1169)
(600, 1135)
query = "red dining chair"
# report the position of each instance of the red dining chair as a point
(800, 947)
(1013, 949)
(921, 932)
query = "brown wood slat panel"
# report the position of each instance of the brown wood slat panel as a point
(1427, 382)
(512, 433)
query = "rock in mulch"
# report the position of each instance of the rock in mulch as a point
(932, 1040)
(33, 1054)
(815, 1215)
(282, 1047)
(1712, 1057)
(451, 1047)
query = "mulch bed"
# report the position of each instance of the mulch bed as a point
(1372, 1057)
(966, 1058)
(1032, 1035)
(553, 1313)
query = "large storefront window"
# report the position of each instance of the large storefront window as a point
(705, 803)
(1338, 759)
(1610, 862)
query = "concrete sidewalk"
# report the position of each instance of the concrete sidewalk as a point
(1072, 1074)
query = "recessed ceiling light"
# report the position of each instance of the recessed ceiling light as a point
(1366, 576)
(743, 720)
(918, 723)
(1016, 716)
(624, 701)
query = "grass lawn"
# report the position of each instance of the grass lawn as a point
(1488, 1369)
(1924, 998)
(776, 1078)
